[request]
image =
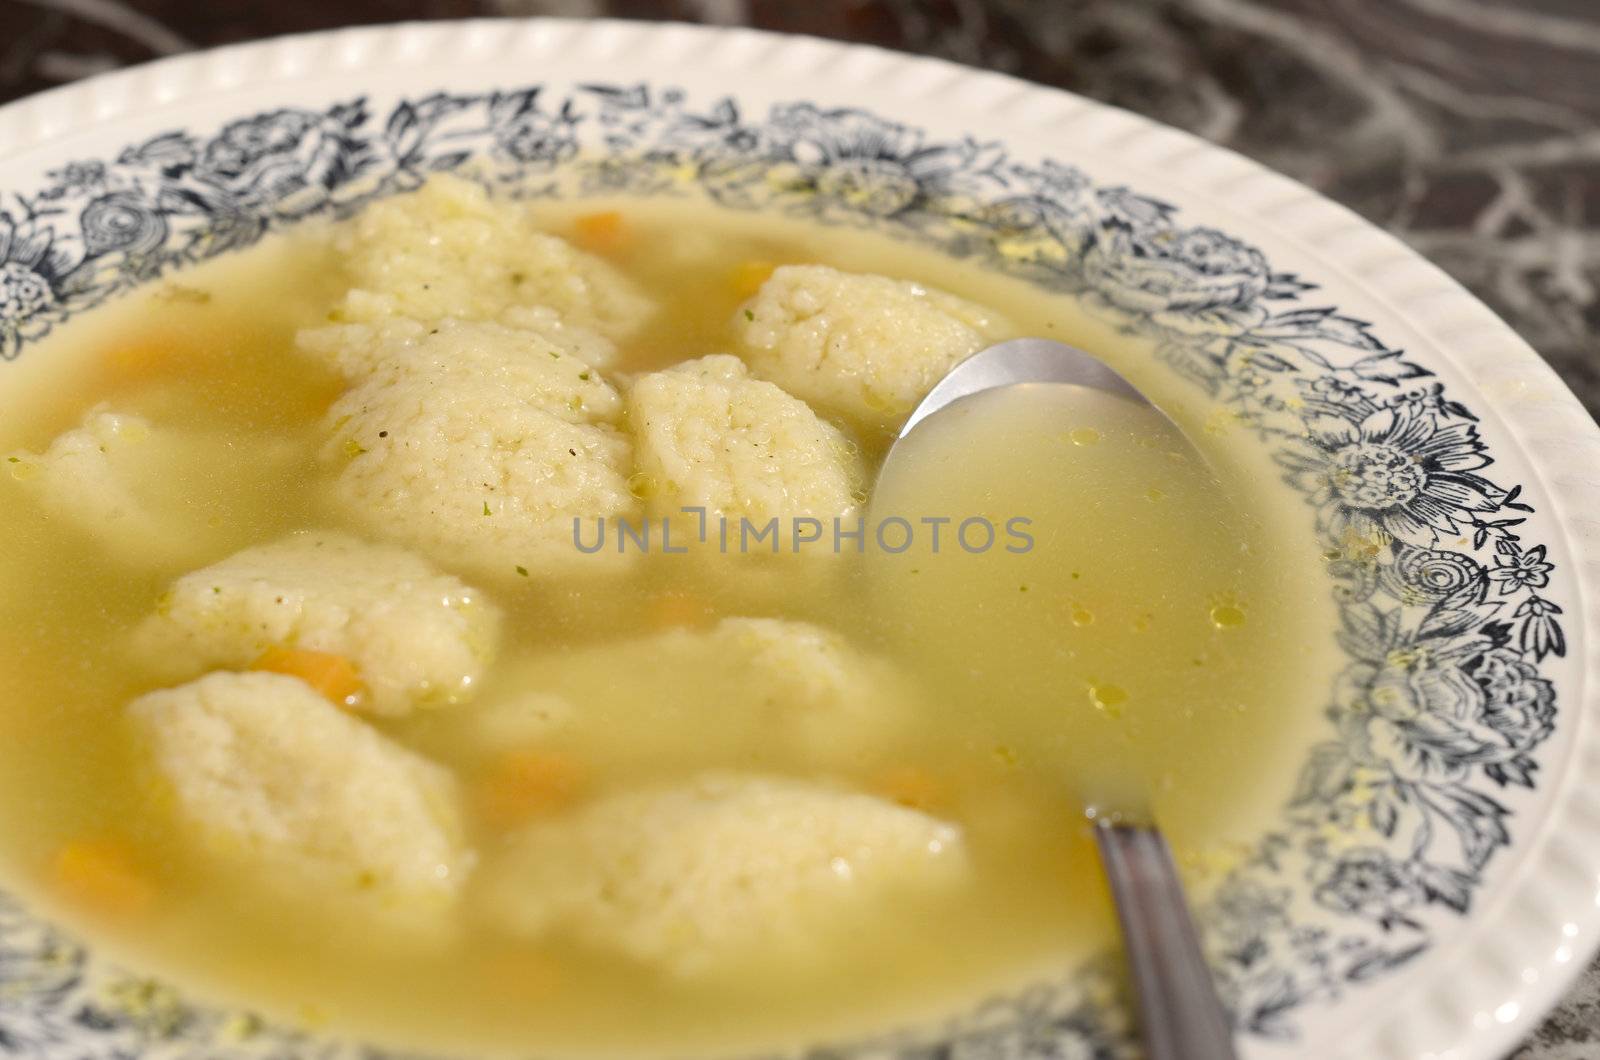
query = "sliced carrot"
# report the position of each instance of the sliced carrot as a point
(131, 364)
(103, 877)
(748, 276)
(910, 786)
(513, 974)
(600, 233)
(334, 676)
(527, 784)
(670, 610)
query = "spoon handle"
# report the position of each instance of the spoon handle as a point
(1178, 1007)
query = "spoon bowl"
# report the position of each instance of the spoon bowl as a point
(1020, 361)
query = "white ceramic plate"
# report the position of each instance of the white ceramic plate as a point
(1437, 881)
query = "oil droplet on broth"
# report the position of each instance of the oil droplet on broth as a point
(1227, 616)
(876, 401)
(1084, 436)
(1108, 699)
(1082, 617)
(641, 485)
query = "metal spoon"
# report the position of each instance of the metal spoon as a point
(1179, 1011)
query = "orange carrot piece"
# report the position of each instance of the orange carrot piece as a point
(910, 786)
(334, 676)
(103, 877)
(521, 974)
(600, 233)
(669, 610)
(748, 276)
(527, 784)
(128, 365)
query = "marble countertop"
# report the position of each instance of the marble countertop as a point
(1469, 128)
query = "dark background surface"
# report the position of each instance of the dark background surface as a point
(1469, 128)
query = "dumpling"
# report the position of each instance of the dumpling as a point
(449, 250)
(260, 763)
(482, 446)
(708, 436)
(517, 721)
(131, 485)
(753, 685)
(98, 477)
(707, 872)
(356, 348)
(415, 635)
(863, 347)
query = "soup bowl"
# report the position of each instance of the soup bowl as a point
(1433, 882)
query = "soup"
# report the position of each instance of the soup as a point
(473, 626)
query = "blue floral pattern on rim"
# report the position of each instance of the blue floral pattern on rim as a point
(1440, 708)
